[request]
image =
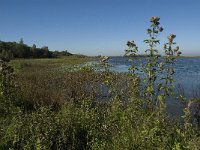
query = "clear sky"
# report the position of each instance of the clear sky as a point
(95, 27)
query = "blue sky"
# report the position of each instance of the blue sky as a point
(99, 27)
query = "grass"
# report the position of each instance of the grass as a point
(23, 64)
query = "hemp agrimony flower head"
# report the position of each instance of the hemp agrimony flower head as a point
(131, 44)
(161, 29)
(168, 46)
(155, 26)
(132, 49)
(171, 37)
(179, 53)
(177, 48)
(155, 20)
(165, 46)
(104, 59)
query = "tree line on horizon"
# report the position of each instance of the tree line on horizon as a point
(13, 50)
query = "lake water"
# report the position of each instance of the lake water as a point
(187, 77)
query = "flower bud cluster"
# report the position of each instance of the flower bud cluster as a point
(168, 49)
(155, 20)
(155, 24)
(104, 59)
(171, 37)
(131, 44)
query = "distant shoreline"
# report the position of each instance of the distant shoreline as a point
(161, 56)
(189, 56)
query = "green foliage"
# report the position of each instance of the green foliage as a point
(7, 87)
(62, 53)
(103, 126)
(20, 50)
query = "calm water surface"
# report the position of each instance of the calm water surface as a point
(187, 77)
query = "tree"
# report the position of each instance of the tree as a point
(6, 54)
(21, 41)
(33, 50)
